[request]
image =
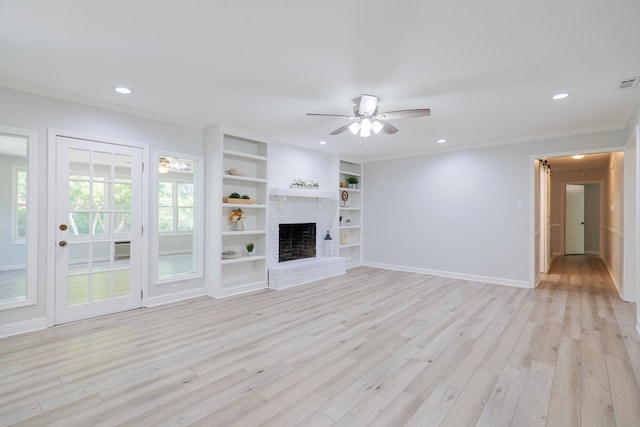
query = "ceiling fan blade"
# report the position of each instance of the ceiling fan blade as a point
(330, 115)
(340, 130)
(405, 114)
(388, 128)
(368, 105)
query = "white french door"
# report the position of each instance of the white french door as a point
(98, 228)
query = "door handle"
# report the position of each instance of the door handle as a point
(62, 243)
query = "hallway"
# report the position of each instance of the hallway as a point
(599, 328)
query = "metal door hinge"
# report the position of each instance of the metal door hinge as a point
(142, 166)
(141, 294)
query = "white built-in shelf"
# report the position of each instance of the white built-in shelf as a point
(244, 205)
(243, 259)
(352, 249)
(229, 149)
(241, 155)
(244, 178)
(243, 233)
(350, 245)
(295, 192)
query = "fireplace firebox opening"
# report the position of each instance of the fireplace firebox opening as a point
(296, 241)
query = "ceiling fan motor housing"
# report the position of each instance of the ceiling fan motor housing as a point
(368, 105)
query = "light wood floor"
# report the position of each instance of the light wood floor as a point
(372, 347)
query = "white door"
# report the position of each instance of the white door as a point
(98, 229)
(574, 220)
(545, 221)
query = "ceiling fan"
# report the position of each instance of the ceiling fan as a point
(165, 164)
(366, 118)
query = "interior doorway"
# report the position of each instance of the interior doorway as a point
(574, 219)
(96, 227)
(582, 219)
(589, 173)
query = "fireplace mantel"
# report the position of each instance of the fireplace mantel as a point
(295, 192)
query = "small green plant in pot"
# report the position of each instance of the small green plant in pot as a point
(250, 247)
(353, 181)
(234, 195)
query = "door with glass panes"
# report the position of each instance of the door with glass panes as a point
(98, 228)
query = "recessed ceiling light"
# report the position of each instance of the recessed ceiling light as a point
(578, 156)
(123, 90)
(322, 142)
(441, 141)
(560, 96)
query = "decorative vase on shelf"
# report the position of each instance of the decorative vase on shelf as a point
(239, 226)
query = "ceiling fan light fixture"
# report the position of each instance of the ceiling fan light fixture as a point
(366, 118)
(178, 165)
(365, 125)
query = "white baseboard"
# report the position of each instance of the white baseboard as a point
(23, 327)
(180, 296)
(453, 275)
(592, 253)
(613, 278)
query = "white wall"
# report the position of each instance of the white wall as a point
(34, 112)
(613, 236)
(633, 139)
(457, 214)
(629, 273)
(592, 204)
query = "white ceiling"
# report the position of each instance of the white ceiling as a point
(486, 69)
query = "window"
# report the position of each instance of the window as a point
(91, 219)
(178, 247)
(19, 205)
(175, 206)
(19, 211)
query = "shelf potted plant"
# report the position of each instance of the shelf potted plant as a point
(353, 182)
(237, 217)
(237, 198)
(249, 247)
